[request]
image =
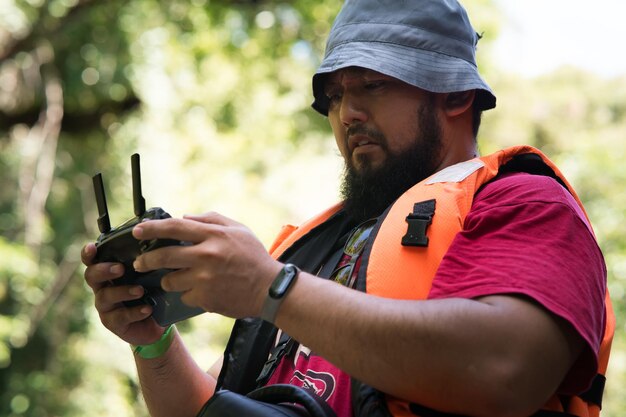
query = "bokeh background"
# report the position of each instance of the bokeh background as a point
(215, 96)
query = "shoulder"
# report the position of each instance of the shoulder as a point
(523, 194)
(523, 187)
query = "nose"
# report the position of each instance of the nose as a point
(351, 110)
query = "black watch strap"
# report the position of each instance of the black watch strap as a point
(277, 291)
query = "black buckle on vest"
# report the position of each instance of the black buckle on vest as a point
(284, 346)
(419, 221)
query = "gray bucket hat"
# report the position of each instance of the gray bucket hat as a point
(429, 44)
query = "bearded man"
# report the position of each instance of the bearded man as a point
(442, 284)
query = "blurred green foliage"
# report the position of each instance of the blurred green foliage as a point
(215, 97)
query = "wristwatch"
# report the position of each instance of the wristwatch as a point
(277, 291)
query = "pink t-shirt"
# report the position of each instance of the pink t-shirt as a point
(525, 235)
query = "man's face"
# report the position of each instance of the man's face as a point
(372, 115)
(388, 133)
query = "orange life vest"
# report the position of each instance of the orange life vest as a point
(390, 267)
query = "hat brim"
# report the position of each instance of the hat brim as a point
(428, 70)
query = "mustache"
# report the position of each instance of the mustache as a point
(359, 129)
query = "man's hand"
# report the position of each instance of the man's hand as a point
(225, 270)
(131, 324)
(172, 384)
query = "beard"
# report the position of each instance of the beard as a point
(369, 191)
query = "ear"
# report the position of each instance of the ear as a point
(458, 102)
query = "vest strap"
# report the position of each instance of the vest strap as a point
(422, 411)
(596, 390)
(546, 413)
(419, 221)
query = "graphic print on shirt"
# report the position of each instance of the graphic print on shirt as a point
(319, 383)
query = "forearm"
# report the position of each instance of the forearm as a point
(454, 355)
(173, 384)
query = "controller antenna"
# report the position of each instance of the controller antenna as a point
(139, 202)
(104, 225)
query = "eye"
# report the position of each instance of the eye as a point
(333, 96)
(374, 84)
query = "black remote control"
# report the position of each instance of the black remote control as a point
(118, 245)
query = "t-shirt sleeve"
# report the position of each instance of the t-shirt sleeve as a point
(526, 235)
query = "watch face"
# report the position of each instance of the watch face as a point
(283, 281)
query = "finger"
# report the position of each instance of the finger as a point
(178, 281)
(212, 217)
(110, 298)
(190, 299)
(99, 275)
(170, 257)
(88, 253)
(120, 319)
(179, 229)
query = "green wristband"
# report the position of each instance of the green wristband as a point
(158, 348)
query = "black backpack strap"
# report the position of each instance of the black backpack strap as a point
(530, 163)
(310, 251)
(245, 354)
